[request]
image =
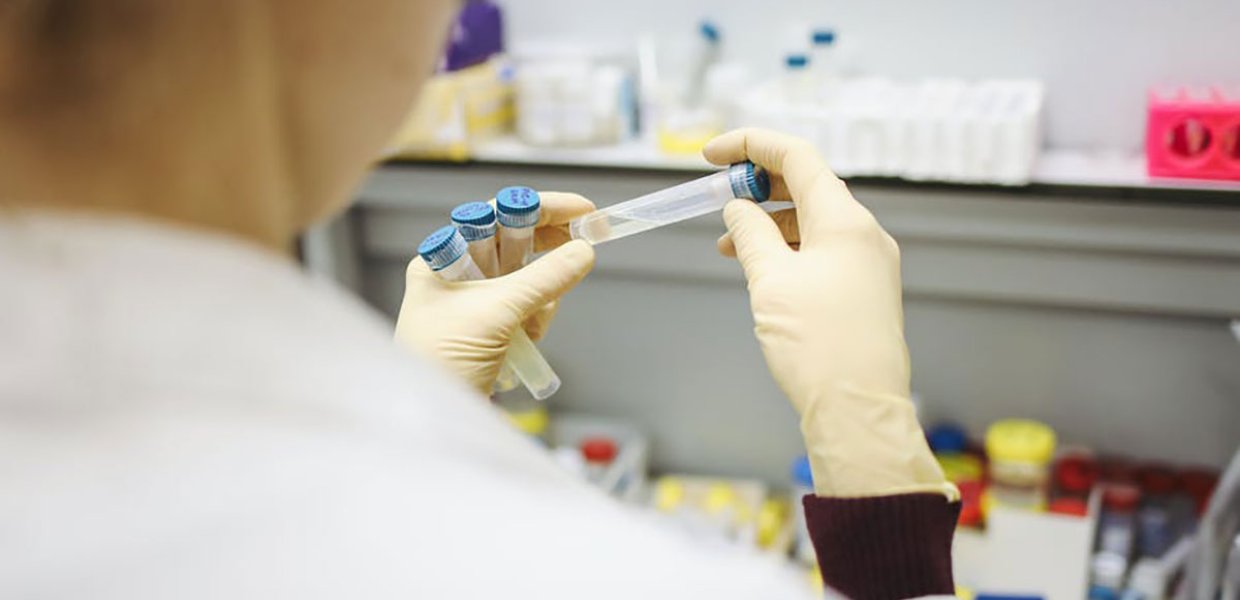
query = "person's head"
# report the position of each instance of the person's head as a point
(256, 116)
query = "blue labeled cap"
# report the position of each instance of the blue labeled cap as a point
(709, 31)
(443, 247)
(802, 475)
(749, 181)
(475, 220)
(518, 206)
(796, 61)
(822, 37)
(947, 438)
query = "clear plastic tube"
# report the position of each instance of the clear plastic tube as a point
(486, 256)
(447, 254)
(516, 247)
(518, 210)
(672, 205)
(477, 223)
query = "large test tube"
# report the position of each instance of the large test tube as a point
(677, 203)
(477, 224)
(518, 209)
(447, 254)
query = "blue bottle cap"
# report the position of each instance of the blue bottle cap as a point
(947, 438)
(749, 181)
(796, 61)
(517, 206)
(801, 473)
(709, 31)
(475, 220)
(443, 247)
(823, 37)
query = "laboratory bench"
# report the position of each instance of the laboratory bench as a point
(1093, 299)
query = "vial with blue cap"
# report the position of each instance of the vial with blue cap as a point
(447, 254)
(477, 223)
(692, 199)
(518, 211)
(822, 61)
(798, 84)
(705, 56)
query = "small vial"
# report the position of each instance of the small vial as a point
(518, 215)
(1117, 526)
(477, 224)
(1107, 572)
(798, 83)
(1020, 453)
(672, 205)
(599, 452)
(822, 41)
(822, 63)
(447, 254)
(705, 56)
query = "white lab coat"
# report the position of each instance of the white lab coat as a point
(185, 416)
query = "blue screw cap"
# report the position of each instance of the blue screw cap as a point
(443, 247)
(749, 181)
(947, 438)
(518, 206)
(796, 61)
(822, 37)
(709, 31)
(475, 220)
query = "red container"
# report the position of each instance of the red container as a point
(1193, 133)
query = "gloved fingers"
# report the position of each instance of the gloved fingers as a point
(550, 237)
(543, 281)
(755, 236)
(419, 271)
(824, 203)
(558, 208)
(536, 326)
(785, 220)
(417, 267)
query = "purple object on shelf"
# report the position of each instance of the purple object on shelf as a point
(477, 34)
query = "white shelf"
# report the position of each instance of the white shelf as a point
(628, 155)
(1055, 167)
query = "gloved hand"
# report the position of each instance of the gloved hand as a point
(466, 326)
(824, 285)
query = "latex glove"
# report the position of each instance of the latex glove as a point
(466, 326)
(824, 285)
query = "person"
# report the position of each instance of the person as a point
(184, 413)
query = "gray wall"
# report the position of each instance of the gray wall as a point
(1103, 316)
(1097, 56)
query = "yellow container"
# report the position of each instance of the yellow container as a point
(533, 422)
(1020, 453)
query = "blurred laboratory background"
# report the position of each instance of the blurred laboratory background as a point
(1063, 179)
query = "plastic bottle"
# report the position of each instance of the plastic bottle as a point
(1117, 526)
(598, 452)
(1020, 453)
(705, 55)
(822, 62)
(798, 84)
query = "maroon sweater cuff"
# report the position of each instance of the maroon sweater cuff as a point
(886, 547)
